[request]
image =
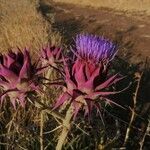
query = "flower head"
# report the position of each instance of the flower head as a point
(17, 76)
(94, 48)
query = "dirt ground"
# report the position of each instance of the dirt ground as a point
(130, 30)
(130, 5)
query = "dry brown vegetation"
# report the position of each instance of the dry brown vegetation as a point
(21, 25)
(138, 5)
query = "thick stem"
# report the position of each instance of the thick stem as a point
(65, 130)
(42, 113)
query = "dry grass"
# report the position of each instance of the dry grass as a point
(137, 5)
(21, 25)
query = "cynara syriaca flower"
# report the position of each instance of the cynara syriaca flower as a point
(51, 55)
(87, 79)
(17, 76)
(94, 48)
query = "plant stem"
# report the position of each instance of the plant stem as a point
(42, 112)
(41, 130)
(147, 131)
(66, 128)
(48, 110)
(133, 110)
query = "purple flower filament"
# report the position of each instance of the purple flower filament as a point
(94, 48)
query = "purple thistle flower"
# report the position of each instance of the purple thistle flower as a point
(17, 76)
(94, 48)
(87, 79)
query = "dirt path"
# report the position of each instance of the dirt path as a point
(131, 31)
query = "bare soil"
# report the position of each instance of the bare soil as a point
(130, 30)
(130, 5)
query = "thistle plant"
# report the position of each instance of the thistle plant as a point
(51, 55)
(86, 79)
(50, 59)
(18, 77)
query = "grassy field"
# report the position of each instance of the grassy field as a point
(21, 25)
